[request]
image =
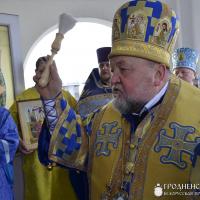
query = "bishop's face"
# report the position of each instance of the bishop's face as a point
(133, 82)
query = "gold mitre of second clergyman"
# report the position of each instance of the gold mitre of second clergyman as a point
(146, 29)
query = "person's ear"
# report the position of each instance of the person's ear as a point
(160, 72)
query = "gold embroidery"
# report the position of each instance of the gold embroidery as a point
(129, 47)
(150, 136)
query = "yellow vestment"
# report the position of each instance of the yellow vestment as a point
(39, 183)
(164, 144)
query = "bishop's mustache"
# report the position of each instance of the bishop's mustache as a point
(115, 89)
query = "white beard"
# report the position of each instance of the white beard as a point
(127, 106)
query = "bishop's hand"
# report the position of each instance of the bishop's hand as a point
(54, 85)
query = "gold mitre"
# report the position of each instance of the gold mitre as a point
(146, 29)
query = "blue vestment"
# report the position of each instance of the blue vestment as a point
(8, 145)
(95, 94)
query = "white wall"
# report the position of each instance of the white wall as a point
(38, 16)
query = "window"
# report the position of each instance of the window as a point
(77, 56)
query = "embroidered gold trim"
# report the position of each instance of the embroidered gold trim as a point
(150, 137)
(140, 49)
(73, 162)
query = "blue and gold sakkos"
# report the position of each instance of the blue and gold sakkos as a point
(164, 146)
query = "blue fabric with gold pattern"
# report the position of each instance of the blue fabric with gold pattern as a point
(66, 139)
(185, 57)
(78, 180)
(94, 94)
(93, 85)
(69, 141)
